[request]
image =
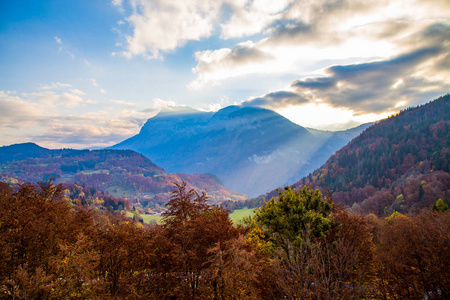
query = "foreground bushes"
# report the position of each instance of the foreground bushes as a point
(299, 247)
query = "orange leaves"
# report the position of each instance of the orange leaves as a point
(49, 250)
(413, 256)
(259, 240)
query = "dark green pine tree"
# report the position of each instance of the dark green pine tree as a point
(296, 215)
(421, 192)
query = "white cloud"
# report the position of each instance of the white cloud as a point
(213, 107)
(77, 92)
(160, 103)
(67, 98)
(117, 3)
(302, 37)
(95, 83)
(160, 26)
(213, 66)
(55, 85)
(252, 17)
(49, 118)
(59, 42)
(164, 25)
(16, 112)
(71, 100)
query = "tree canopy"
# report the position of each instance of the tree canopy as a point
(301, 246)
(296, 215)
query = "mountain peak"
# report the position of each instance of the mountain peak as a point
(250, 149)
(21, 151)
(176, 111)
(28, 145)
(239, 111)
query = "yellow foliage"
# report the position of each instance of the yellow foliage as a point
(395, 215)
(13, 181)
(258, 239)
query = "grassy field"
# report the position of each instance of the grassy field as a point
(237, 215)
(147, 218)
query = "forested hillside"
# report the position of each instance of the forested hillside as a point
(24, 151)
(399, 164)
(101, 174)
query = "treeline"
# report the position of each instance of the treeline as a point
(300, 246)
(90, 164)
(247, 203)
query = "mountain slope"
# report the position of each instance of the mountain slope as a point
(250, 149)
(401, 163)
(120, 173)
(24, 151)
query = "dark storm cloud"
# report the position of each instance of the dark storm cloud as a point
(376, 74)
(294, 32)
(290, 29)
(315, 83)
(369, 87)
(276, 99)
(387, 68)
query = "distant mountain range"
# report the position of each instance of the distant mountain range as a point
(252, 150)
(119, 173)
(402, 163)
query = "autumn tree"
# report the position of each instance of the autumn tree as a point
(210, 257)
(36, 222)
(322, 251)
(300, 246)
(33, 222)
(413, 256)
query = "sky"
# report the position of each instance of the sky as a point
(87, 73)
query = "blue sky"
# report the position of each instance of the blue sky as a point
(81, 73)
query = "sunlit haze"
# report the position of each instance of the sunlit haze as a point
(324, 117)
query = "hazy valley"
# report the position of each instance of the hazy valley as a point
(251, 150)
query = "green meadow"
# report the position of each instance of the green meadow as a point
(237, 216)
